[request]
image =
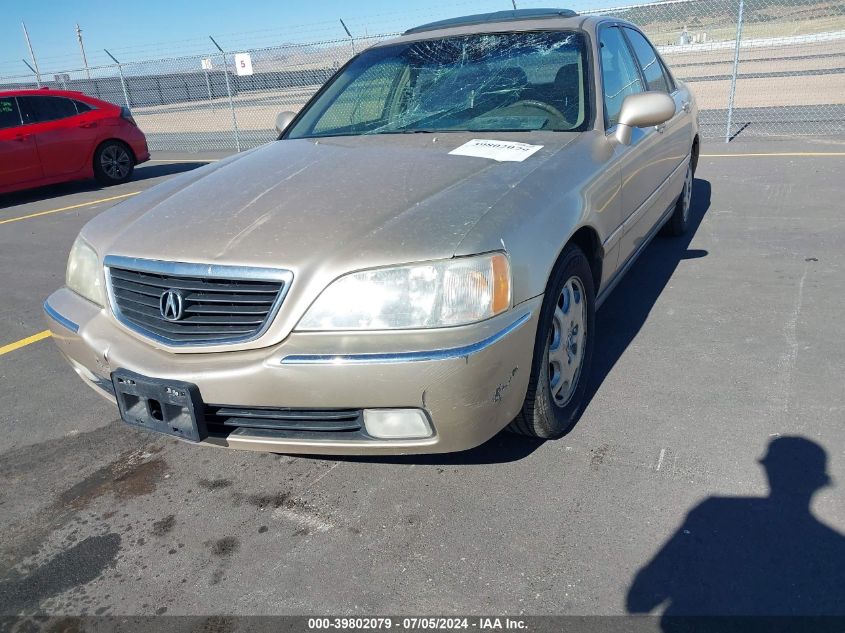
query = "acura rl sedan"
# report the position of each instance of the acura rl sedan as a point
(414, 265)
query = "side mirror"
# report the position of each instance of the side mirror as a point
(283, 120)
(643, 110)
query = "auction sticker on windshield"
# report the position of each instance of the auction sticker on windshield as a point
(501, 151)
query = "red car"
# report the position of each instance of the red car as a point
(50, 136)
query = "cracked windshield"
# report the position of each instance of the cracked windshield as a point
(492, 82)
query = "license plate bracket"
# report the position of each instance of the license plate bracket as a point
(171, 407)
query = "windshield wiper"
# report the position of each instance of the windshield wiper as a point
(501, 129)
(447, 130)
(415, 131)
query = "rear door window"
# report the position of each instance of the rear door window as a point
(81, 106)
(9, 114)
(38, 109)
(649, 61)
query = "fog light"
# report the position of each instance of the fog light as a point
(392, 424)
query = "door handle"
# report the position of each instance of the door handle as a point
(20, 138)
(90, 124)
(685, 106)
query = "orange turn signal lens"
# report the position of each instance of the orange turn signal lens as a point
(501, 283)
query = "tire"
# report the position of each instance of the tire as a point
(678, 223)
(553, 404)
(113, 163)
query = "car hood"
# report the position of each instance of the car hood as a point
(320, 209)
(374, 199)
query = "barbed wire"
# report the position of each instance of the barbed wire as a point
(303, 33)
(770, 66)
(365, 25)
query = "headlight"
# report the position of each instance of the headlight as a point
(83, 272)
(428, 295)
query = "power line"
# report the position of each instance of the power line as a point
(311, 33)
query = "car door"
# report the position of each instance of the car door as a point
(65, 139)
(673, 137)
(18, 155)
(641, 161)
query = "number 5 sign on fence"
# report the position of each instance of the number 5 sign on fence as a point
(243, 64)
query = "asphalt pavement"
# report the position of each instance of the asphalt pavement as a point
(715, 347)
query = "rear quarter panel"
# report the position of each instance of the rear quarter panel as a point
(112, 126)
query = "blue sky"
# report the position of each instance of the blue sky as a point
(152, 29)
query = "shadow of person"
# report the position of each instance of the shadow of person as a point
(751, 556)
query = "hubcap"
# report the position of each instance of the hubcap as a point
(115, 161)
(687, 193)
(566, 341)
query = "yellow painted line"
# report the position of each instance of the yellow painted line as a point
(774, 154)
(29, 340)
(183, 160)
(71, 207)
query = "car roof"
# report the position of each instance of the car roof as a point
(495, 16)
(500, 22)
(73, 94)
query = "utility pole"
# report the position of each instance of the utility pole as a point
(82, 50)
(32, 56)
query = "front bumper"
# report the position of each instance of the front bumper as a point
(471, 381)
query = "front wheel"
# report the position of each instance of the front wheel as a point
(113, 163)
(563, 351)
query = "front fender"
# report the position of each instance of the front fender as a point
(533, 223)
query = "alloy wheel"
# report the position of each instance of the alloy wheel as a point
(115, 161)
(567, 341)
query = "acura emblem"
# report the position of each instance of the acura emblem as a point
(171, 305)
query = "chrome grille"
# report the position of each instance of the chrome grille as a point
(218, 304)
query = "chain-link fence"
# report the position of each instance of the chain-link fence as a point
(757, 67)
